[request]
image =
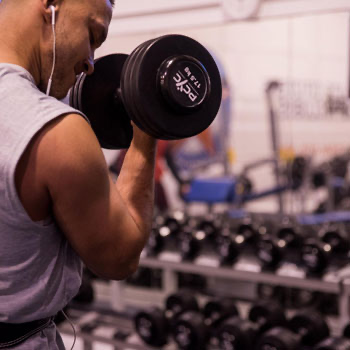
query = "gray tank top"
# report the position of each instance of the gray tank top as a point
(39, 271)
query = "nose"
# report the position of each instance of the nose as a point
(88, 66)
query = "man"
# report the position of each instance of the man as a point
(58, 205)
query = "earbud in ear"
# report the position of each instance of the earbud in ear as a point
(52, 8)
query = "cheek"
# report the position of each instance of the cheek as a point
(75, 44)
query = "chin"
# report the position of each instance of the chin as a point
(60, 92)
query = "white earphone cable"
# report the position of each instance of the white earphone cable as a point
(54, 52)
(70, 322)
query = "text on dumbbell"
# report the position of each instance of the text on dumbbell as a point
(192, 78)
(183, 86)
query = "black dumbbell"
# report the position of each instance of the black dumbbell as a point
(174, 221)
(236, 333)
(249, 231)
(337, 237)
(238, 238)
(283, 246)
(170, 87)
(242, 238)
(198, 236)
(304, 330)
(325, 303)
(228, 245)
(330, 248)
(193, 330)
(154, 325)
(268, 292)
(165, 229)
(333, 343)
(304, 298)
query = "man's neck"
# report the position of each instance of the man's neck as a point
(17, 45)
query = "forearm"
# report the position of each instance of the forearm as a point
(136, 182)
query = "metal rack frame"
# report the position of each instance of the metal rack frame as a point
(336, 282)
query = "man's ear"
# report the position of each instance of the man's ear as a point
(47, 13)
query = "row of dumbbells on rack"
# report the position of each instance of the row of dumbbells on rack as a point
(298, 299)
(218, 325)
(289, 298)
(272, 241)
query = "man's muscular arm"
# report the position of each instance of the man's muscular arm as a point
(107, 224)
(135, 182)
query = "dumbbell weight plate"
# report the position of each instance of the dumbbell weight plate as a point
(165, 119)
(152, 327)
(181, 301)
(136, 109)
(266, 292)
(267, 314)
(156, 243)
(314, 257)
(73, 100)
(146, 122)
(290, 236)
(269, 253)
(301, 298)
(278, 339)
(235, 333)
(132, 89)
(334, 344)
(227, 248)
(128, 88)
(108, 118)
(187, 243)
(218, 309)
(311, 326)
(339, 243)
(189, 332)
(127, 72)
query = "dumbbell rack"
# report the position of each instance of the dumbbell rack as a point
(109, 323)
(104, 334)
(245, 270)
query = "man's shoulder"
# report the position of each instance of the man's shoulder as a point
(21, 98)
